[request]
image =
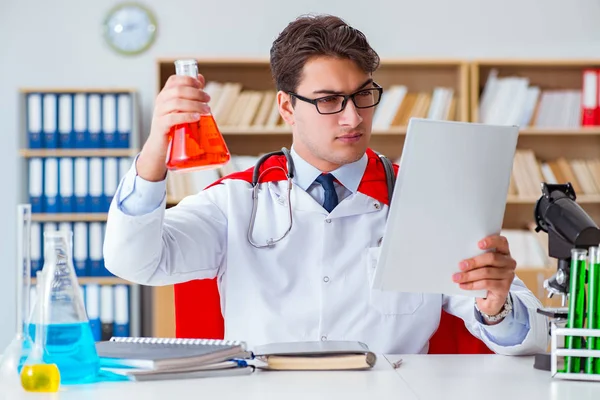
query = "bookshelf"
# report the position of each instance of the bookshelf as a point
(467, 79)
(74, 144)
(553, 131)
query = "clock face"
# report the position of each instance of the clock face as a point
(130, 28)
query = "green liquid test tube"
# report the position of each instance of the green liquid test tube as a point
(592, 365)
(576, 307)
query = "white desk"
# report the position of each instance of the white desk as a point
(487, 377)
(379, 383)
(481, 377)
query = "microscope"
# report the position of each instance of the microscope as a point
(568, 227)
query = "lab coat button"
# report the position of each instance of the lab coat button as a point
(328, 220)
(323, 338)
(376, 205)
(326, 279)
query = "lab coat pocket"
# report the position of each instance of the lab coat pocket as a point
(389, 302)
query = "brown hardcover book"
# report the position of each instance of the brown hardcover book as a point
(329, 355)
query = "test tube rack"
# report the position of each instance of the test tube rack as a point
(558, 352)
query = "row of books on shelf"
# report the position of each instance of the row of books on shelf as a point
(74, 185)
(88, 241)
(232, 105)
(398, 105)
(107, 308)
(528, 172)
(512, 100)
(79, 120)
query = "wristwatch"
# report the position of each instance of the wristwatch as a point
(506, 309)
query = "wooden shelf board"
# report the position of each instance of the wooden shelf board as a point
(542, 62)
(265, 61)
(594, 130)
(217, 60)
(399, 130)
(78, 152)
(76, 90)
(581, 199)
(101, 280)
(230, 130)
(74, 217)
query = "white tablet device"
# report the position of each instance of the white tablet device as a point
(450, 193)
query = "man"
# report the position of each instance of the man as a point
(314, 284)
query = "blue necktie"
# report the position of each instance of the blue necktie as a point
(331, 199)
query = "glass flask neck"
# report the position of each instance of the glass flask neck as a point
(57, 245)
(187, 68)
(65, 299)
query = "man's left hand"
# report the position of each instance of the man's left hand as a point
(493, 271)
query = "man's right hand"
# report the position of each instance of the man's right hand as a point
(181, 100)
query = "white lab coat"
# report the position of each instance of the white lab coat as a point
(313, 285)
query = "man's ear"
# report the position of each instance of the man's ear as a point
(286, 110)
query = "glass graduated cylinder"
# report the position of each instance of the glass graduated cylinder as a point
(576, 313)
(592, 364)
(197, 146)
(69, 341)
(19, 348)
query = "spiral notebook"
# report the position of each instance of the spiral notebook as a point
(165, 354)
(143, 375)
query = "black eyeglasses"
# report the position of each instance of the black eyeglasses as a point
(335, 103)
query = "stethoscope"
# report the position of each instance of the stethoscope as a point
(256, 175)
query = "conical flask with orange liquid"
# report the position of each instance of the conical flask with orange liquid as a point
(197, 145)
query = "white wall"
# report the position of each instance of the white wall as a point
(58, 43)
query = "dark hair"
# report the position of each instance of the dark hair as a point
(317, 35)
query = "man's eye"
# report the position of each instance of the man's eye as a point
(364, 93)
(326, 100)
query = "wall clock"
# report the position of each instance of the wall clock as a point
(130, 28)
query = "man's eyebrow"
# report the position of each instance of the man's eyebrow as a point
(326, 91)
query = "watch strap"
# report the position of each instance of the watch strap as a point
(504, 311)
